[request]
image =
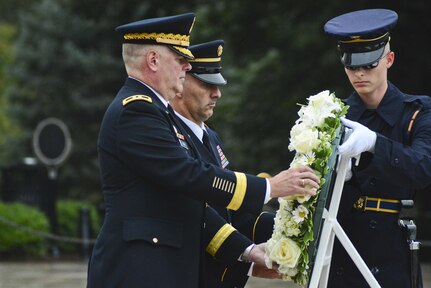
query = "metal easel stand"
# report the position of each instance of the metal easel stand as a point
(331, 228)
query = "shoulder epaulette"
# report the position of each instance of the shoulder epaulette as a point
(137, 98)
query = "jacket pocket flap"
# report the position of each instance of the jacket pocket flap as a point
(156, 231)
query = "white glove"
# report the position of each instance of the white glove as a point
(349, 173)
(361, 139)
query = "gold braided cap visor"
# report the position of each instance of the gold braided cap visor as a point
(163, 38)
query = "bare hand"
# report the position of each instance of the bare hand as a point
(264, 272)
(257, 254)
(301, 180)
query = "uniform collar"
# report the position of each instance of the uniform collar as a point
(163, 100)
(196, 129)
(390, 108)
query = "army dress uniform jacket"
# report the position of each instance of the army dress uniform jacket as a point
(155, 189)
(223, 270)
(399, 167)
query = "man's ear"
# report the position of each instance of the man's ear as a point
(390, 58)
(152, 60)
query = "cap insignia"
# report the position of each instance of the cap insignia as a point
(219, 50)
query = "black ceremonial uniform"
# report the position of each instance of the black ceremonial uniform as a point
(154, 189)
(398, 169)
(223, 270)
(257, 227)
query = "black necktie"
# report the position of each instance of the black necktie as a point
(206, 141)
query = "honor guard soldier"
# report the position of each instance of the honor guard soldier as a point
(194, 106)
(392, 135)
(154, 182)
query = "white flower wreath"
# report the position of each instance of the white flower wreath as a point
(311, 138)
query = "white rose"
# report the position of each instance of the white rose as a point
(300, 198)
(305, 141)
(285, 252)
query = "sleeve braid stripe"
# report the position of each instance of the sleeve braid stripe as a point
(219, 238)
(255, 224)
(239, 193)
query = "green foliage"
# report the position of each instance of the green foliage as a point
(9, 131)
(16, 242)
(68, 215)
(67, 64)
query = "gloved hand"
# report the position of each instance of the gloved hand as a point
(361, 139)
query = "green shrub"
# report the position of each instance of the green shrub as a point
(68, 217)
(17, 242)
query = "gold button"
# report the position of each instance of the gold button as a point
(155, 240)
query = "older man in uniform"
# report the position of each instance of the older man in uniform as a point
(194, 106)
(392, 135)
(154, 183)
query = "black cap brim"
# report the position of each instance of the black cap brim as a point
(362, 58)
(214, 79)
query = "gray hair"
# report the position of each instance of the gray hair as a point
(132, 56)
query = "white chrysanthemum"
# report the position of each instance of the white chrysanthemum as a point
(300, 214)
(324, 102)
(320, 106)
(306, 159)
(292, 231)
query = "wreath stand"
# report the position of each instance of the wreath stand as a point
(330, 229)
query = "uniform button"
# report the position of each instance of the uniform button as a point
(340, 271)
(373, 181)
(375, 270)
(155, 240)
(373, 224)
(396, 161)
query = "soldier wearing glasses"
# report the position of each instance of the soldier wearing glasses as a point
(392, 135)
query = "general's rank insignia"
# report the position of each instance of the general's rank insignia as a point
(137, 98)
(224, 161)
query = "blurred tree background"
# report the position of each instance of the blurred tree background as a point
(62, 58)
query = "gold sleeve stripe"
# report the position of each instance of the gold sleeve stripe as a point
(225, 184)
(217, 183)
(230, 188)
(239, 193)
(254, 226)
(219, 239)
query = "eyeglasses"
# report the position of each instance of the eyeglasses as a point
(367, 67)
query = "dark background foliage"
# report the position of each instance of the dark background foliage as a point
(62, 58)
